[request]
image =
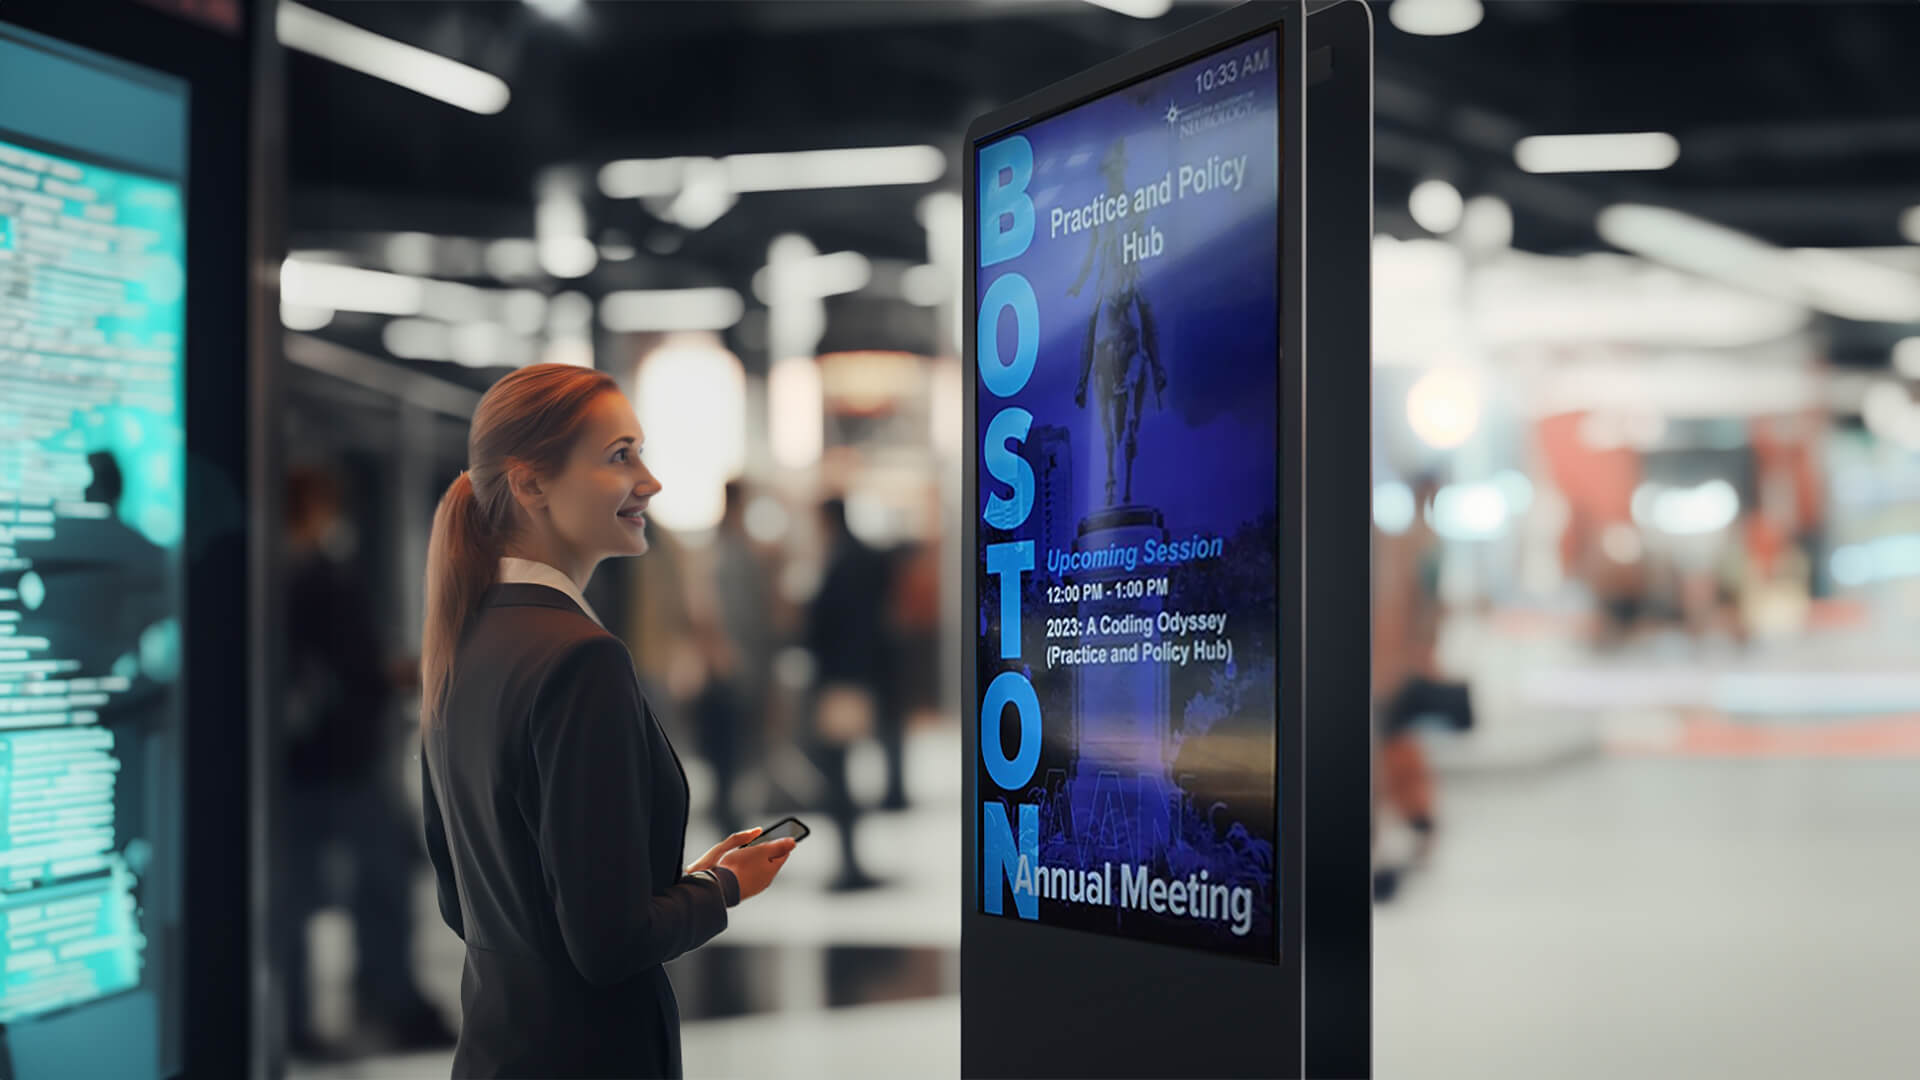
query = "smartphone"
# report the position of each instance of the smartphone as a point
(785, 828)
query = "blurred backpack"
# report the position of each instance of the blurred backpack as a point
(843, 713)
(1447, 705)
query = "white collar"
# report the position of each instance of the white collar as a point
(514, 571)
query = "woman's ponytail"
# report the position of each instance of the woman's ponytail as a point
(462, 561)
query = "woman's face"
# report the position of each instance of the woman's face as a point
(598, 500)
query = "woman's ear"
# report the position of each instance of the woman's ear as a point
(526, 487)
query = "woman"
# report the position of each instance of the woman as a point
(556, 810)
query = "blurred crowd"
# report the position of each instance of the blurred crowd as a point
(771, 696)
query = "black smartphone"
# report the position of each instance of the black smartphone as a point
(785, 828)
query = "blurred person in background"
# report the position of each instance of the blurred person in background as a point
(666, 634)
(115, 619)
(555, 807)
(341, 735)
(915, 616)
(1735, 578)
(116, 579)
(1407, 688)
(738, 640)
(1618, 569)
(847, 635)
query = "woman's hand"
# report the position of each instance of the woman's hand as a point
(755, 867)
(712, 858)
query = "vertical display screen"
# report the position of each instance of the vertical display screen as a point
(93, 282)
(1125, 458)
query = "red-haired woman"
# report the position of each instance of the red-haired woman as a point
(556, 810)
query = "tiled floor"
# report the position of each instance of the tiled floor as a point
(799, 937)
(1601, 918)
(896, 1040)
(1661, 918)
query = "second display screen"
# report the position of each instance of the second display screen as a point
(1127, 567)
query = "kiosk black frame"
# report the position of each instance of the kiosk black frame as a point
(234, 250)
(1158, 1010)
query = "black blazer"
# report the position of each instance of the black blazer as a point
(556, 815)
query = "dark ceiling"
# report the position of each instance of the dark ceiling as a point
(665, 79)
(1797, 122)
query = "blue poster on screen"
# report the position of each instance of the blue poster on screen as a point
(1128, 377)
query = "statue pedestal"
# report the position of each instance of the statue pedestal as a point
(1119, 781)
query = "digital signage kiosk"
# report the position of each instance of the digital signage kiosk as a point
(1168, 750)
(127, 850)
